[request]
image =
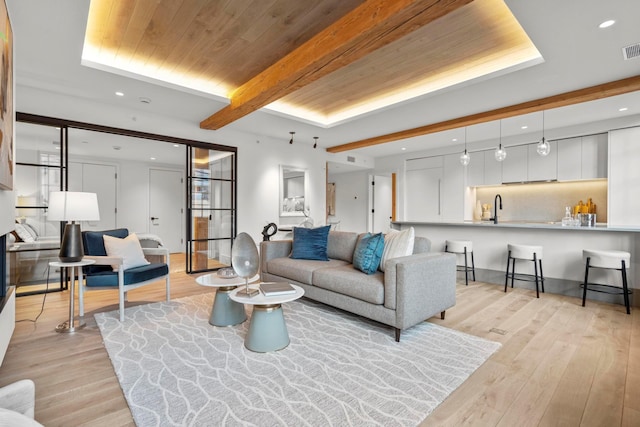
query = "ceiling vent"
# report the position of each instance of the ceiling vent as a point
(631, 52)
(351, 159)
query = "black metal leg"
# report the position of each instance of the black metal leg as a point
(541, 275)
(473, 267)
(506, 275)
(625, 288)
(466, 269)
(535, 272)
(586, 278)
(513, 271)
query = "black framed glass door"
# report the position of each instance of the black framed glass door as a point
(211, 201)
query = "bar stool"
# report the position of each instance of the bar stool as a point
(527, 253)
(463, 247)
(610, 260)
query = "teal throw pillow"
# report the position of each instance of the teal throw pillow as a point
(368, 253)
(310, 243)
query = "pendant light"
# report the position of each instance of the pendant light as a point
(465, 158)
(291, 140)
(543, 148)
(500, 153)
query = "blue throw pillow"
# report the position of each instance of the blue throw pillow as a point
(310, 243)
(368, 253)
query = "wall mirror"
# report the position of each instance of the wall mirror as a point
(293, 191)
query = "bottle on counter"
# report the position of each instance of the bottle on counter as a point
(567, 220)
(477, 212)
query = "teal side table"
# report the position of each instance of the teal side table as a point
(225, 311)
(267, 327)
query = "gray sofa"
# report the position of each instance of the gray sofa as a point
(412, 288)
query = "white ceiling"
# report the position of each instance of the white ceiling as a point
(577, 54)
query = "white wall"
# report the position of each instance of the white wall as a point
(352, 198)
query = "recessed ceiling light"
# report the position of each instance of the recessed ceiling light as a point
(524, 127)
(607, 24)
(152, 158)
(623, 109)
(403, 148)
(176, 145)
(120, 93)
(454, 139)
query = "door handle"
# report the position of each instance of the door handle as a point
(153, 218)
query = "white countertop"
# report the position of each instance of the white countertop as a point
(520, 224)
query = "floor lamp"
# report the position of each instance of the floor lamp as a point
(72, 206)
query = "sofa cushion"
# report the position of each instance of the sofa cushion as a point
(299, 270)
(346, 280)
(132, 275)
(366, 257)
(341, 245)
(397, 244)
(310, 243)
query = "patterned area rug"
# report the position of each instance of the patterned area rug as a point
(339, 370)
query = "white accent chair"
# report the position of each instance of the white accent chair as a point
(17, 404)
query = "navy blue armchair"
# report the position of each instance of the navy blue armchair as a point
(101, 275)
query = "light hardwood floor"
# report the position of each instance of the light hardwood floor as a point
(560, 363)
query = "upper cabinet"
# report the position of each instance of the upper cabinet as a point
(484, 169)
(582, 157)
(514, 166)
(542, 168)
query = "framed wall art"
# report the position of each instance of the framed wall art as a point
(6, 100)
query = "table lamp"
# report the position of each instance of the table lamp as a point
(72, 206)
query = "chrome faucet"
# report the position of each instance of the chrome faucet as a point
(495, 208)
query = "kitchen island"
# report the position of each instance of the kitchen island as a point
(562, 250)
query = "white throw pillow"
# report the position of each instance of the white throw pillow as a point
(397, 244)
(24, 233)
(128, 249)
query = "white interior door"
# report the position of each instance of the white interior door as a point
(99, 179)
(382, 204)
(166, 201)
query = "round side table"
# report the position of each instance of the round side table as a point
(69, 325)
(225, 312)
(267, 329)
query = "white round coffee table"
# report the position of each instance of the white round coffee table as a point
(224, 311)
(267, 329)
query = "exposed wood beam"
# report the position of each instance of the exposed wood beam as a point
(592, 93)
(373, 24)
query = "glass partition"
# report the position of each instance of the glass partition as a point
(212, 208)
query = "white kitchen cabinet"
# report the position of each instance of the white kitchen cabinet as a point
(475, 169)
(582, 157)
(542, 168)
(569, 159)
(423, 189)
(484, 169)
(452, 195)
(624, 152)
(492, 168)
(514, 166)
(594, 156)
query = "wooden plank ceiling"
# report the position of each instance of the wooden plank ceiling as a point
(326, 58)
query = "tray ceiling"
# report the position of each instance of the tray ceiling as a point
(217, 46)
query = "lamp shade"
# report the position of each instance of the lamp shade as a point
(73, 206)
